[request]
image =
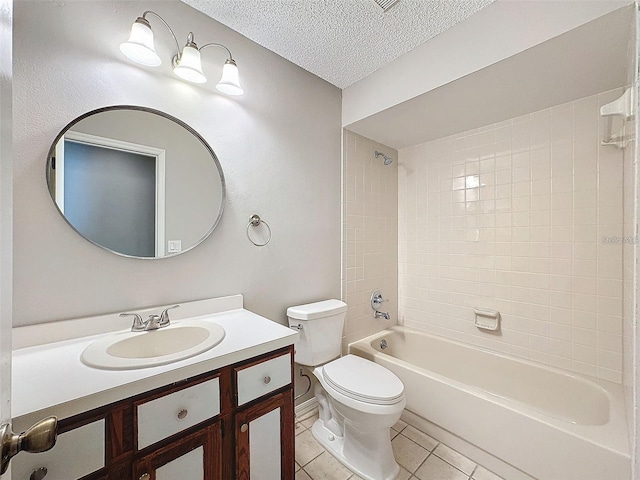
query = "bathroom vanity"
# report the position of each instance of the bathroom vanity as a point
(222, 414)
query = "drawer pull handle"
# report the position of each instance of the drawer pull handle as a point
(39, 474)
(244, 427)
(145, 476)
(182, 413)
(266, 380)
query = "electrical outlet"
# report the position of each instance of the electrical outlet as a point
(174, 246)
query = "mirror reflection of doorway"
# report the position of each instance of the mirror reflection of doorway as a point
(107, 192)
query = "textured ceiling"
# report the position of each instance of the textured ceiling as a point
(341, 41)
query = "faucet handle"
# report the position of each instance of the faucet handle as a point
(377, 300)
(138, 324)
(164, 316)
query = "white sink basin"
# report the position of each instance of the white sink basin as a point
(129, 350)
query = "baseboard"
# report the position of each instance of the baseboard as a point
(490, 462)
(306, 408)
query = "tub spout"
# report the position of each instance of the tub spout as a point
(379, 314)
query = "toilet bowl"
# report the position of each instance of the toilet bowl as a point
(356, 411)
(358, 400)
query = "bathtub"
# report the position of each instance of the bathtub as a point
(521, 419)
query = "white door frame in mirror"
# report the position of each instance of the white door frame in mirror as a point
(103, 142)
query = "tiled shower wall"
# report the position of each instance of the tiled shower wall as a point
(370, 234)
(524, 217)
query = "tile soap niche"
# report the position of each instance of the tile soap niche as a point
(486, 319)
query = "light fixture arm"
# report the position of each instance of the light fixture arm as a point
(216, 45)
(175, 39)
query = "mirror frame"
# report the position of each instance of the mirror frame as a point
(67, 127)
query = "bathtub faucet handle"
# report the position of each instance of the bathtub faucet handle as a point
(377, 300)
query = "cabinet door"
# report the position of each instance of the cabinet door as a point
(77, 453)
(265, 440)
(195, 457)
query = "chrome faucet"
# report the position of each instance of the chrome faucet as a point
(376, 303)
(154, 322)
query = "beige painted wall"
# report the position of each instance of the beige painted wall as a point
(6, 194)
(279, 146)
(630, 250)
(629, 256)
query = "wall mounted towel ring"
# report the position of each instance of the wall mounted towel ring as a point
(255, 221)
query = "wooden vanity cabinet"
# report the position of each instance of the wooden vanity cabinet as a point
(264, 422)
(194, 457)
(265, 440)
(192, 430)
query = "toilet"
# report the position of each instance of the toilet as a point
(358, 400)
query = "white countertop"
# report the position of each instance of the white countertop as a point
(50, 379)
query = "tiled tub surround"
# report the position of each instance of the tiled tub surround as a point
(522, 217)
(499, 409)
(370, 224)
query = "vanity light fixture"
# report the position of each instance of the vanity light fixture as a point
(186, 63)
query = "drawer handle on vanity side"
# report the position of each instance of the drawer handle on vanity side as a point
(266, 380)
(244, 427)
(145, 476)
(182, 413)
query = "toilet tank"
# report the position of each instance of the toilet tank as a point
(320, 325)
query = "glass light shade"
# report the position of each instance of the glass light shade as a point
(189, 66)
(230, 81)
(139, 47)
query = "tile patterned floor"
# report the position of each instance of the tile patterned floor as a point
(420, 456)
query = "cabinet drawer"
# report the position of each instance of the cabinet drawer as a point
(170, 414)
(262, 378)
(76, 453)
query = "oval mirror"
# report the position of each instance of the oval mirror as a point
(136, 181)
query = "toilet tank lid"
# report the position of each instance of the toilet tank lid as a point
(311, 311)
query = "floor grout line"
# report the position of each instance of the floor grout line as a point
(302, 466)
(457, 468)
(423, 462)
(398, 432)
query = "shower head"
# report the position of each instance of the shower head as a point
(387, 160)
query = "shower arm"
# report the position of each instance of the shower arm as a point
(387, 160)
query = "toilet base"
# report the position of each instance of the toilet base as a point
(335, 445)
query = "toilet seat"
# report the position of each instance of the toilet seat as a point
(363, 381)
